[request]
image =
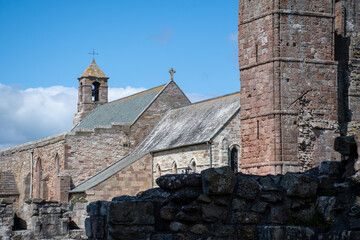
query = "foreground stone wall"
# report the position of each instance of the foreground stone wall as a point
(218, 204)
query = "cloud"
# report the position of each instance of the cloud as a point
(163, 37)
(233, 37)
(116, 93)
(34, 113)
(195, 97)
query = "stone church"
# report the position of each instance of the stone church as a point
(119, 147)
(300, 89)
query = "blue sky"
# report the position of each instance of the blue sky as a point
(44, 46)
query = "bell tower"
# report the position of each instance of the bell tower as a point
(92, 91)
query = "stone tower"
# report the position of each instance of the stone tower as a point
(289, 85)
(93, 90)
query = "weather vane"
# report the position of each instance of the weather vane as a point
(172, 71)
(93, 53)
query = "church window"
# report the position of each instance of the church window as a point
(57, 164)
(39, 173)
(158, 171)
(257, 52)
(193, 166)
(233, 163)
(95, 91)
(174, 169)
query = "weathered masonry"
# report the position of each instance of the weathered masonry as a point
(299, 63)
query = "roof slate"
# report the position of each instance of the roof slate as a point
(93, 70)
(7, 184)
(123, 111)
(189, 125)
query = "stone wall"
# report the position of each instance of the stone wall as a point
(289, 98)
(218, 204)
(18, 161)
(170, 97)
(133, 179)
(89, 152)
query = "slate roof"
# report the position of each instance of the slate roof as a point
(188, 125)
(93, 70)
(122, 111)
(7, 184)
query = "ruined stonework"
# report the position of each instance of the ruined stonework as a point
(220, 205)
(289, 84)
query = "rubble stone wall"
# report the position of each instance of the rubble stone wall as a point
(89, 152)
(218, 204)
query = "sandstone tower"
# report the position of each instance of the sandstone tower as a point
(291, 97)
(93, 90)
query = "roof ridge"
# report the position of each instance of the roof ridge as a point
(208, 100)
(134, 94)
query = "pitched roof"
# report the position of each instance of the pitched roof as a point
(192, 124)
(93, 70)
(188, 125)
(7, 184)
(122, 111)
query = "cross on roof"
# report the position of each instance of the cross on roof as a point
(172, 71)
(93, 53)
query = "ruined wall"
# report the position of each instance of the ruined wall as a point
(318, 204)
(18, 161)
(89, 152)
(170, 97)
(288, 79)
(347, 53)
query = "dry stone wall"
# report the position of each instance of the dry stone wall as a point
(217, 204)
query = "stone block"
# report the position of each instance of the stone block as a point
(218, 181)
(176, 181)
(247, 188)
(299, 185)
(133, 212)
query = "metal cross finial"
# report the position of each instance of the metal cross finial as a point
(93, 53)
(172, 71)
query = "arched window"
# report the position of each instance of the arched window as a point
(193, 165)
(174, 168)
(233, 161)
(95, 91)
(57, 164)
(158, 171)
(39, 173)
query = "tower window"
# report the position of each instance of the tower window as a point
(95, 91)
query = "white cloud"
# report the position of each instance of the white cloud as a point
(194, 97)
(116, 93)
(34, 113)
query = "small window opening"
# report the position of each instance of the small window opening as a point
(95, 91)
(193, 166)
(174, 168)
(234, 159)
(57, 164)
(257, 52)
(258, 129)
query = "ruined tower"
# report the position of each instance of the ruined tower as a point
(289, 85)
(93, 90)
